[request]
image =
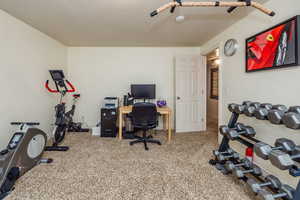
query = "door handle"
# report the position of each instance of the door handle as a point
(178, 98)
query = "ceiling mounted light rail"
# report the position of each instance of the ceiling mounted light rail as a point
(232, 6)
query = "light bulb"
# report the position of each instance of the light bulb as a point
(180, 18)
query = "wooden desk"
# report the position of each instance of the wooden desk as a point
(166, 112)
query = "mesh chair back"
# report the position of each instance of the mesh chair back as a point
(144, 114)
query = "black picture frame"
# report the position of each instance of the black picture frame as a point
(212, 72)
(297, 46)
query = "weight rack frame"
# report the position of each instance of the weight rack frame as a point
(224, 146)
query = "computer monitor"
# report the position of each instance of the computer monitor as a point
(143, 91)
(57, 75)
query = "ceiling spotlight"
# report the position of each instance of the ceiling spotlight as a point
(180, 18)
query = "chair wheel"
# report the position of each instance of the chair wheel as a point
(159, 143)
(130, 144)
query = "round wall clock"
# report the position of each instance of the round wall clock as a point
(230, 47)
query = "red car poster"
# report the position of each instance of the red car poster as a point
(273, 48)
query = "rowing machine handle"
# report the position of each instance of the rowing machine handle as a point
(71, 86)
(49, 89)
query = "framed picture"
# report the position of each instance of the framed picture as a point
(275, 47)
(214, 85)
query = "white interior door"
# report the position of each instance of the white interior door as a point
(190, 94)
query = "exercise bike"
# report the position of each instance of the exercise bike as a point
(64, 120)
(71, 125)
(23, 152)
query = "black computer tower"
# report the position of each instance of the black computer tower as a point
(109, 122)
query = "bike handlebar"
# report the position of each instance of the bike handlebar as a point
(71, 86)
(49, 89)
(56, 91)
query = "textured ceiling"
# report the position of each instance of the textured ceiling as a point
(121, 22)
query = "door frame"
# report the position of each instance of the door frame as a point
(174, 88)
(204, 52)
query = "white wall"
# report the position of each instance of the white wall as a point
(26, 56)
(274, 86)
(101, 72)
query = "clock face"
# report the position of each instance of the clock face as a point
(230, 47)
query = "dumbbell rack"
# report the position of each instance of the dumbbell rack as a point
(245, 140)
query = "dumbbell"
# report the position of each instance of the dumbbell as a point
(238, 172)
(247, 131)
(230, 166)
(291, 119)
(270, 180)
(285, 192)
(232, 106)
(283, 160)
(263, 150)
(224, 129)
(262, 112)
(249, 110)
(228, 151)
(222, 157)
(275, 115)
(239, 109)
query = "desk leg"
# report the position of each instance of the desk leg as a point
(164, 122)
(169, 126)
(120, 125)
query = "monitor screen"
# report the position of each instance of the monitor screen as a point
(57, 75)
(143, 91)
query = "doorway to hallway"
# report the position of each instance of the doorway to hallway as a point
(212, 64)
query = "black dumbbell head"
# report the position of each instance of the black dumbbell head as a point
(275, 182)
(239, 109)
(249, 111)
(255, 186)
(267, 106)
(249, 131)
(247, 103)
(262, 150)
(229, 165)
(291, 120)
(247, 163)
(265, 195)
(280, 107)
(233, 134)
(295, 109)
(288, 190)
(255, 104)
(281, 160)
(224, 130)
(261, 113)
(239, 126)
(232, 106)
(275, 116)
(257, 170)
(285, 144)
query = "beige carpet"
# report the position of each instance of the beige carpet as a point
(98, 168)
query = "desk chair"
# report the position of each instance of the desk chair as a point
(144, 117)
